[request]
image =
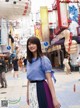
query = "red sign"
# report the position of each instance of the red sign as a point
(68, 1)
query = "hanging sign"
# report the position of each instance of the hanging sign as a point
(8, 47)
(64, 15)
(38, 31)
(68, 1)
(46, 44)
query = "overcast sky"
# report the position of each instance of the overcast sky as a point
(37, 3)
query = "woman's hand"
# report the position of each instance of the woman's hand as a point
(52, 90)
(56, 103)
(27, 99)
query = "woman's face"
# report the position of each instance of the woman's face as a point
(32, 47)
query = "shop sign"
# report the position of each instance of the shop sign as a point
(46, 44)
(49, 50)
(44, 23)
(64, 15)
(74, 1)
(38, 31)
(8, 47)
(56, 47)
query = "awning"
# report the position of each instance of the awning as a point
(61, 41)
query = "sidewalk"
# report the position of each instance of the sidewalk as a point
(15, 94)
(65, 89)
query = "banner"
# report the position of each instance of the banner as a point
(44, 22)
(38, 31)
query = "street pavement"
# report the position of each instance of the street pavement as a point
(67, 90)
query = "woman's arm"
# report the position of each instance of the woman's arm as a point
(52, 90)
(28, 92)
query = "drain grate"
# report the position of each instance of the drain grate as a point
(3, 92)
(24, 85)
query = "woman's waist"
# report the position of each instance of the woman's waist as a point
(35, 81)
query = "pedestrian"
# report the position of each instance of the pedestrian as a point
(20, 62)
(69, 58)
(15, 67)
(67, 68)
(40, 87)
(25, 63)
(2, 73)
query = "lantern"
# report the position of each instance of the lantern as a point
(25, 9)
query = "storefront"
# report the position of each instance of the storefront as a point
(57, 55)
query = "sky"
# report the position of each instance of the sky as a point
(37, 3)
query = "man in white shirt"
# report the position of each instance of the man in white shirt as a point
(67, 68)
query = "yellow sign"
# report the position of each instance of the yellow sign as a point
(44, 22)
(38, 31)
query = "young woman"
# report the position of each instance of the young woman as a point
(40, 88)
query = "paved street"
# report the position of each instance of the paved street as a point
(15, 95)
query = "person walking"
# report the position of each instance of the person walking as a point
(67, 68)
(15, 67)
(20, 63)
(2, 73)
(40, 87)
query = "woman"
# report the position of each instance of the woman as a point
(20, 62)
(15, 67)
(40, 93)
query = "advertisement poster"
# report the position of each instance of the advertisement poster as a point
(44, 22)
(38, 31)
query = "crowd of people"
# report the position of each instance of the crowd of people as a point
(17, 65)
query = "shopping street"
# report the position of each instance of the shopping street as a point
(15, 93)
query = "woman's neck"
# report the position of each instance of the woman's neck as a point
(34, 54)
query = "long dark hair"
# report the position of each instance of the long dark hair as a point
(36, 41)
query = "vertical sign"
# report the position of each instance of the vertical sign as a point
(44, 22)
(38, 31)
(64, 15)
